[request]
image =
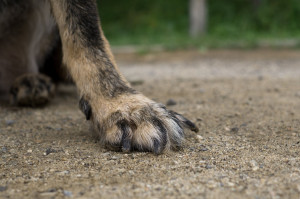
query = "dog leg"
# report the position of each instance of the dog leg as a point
(123, 118)
(27, 35)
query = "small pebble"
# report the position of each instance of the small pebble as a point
(62, 173)
(50, 150)
(136, 82)
(209, 166)
(49, 127)
(230, 184)
(2, 188)
(211, 184)
(106, 154)
(10, 122)
(29, 151)
(254, 165)
(235, 129)
(199, 138)
(201, 90)
(81, 193)
(67, 193)
(171, 102)
(51, 190)
(237, 114)
(203, 148)
(47, 194)
(114, 158)
(226, 128)
(192, 149)
(260, 78)
(4, 149)
(131, 172)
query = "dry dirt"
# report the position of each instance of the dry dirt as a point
(246, 104)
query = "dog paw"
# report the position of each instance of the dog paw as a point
(135, 123)
(31, 90)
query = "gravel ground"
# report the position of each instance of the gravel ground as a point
(246, 104)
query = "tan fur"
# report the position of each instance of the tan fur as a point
(76, 57)
(111, 57)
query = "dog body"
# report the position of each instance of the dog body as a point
(36, 36)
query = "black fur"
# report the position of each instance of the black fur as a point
(82, 15)
(126, 140)
(111, 83)
(9, 3)
(182, 121)
(86, 108)
(52, 66)
(158, 148)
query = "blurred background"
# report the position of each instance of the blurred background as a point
(177, 24)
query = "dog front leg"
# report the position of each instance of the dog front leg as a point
(123, 118)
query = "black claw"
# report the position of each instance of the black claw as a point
(163, 136)
(184, 121)
(26, 82)
(126, 139)
(156, 146)
(85, 107)
(191, 125)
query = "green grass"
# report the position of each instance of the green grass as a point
(232, 23)
(209, 41)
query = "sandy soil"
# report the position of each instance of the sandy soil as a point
(246, 104)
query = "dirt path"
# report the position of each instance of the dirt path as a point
(246, 104)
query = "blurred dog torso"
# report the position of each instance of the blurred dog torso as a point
(28, 34)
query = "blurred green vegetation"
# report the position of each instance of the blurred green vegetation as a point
(231, 23)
